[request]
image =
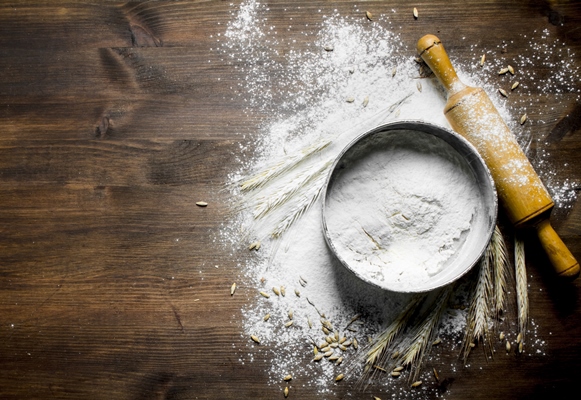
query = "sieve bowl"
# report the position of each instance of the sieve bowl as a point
(409, 207)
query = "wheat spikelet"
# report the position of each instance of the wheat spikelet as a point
(377, 354)
(288, 191)
(305, 202)
(521, 285)
(268, 174)
(501, 270)
(480, 306)
(422, 336)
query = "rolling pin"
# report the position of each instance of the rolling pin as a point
(525, 199)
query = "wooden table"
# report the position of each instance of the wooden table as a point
(116, 119)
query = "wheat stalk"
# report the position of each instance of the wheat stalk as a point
(521, 287)
(479, 310)
(268, 174)
(422, 337)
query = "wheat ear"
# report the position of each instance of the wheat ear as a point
(501, 269)
(305, 202)
(522, 297)
(268, 174)
(286, 192)
(479, 310)
(378, 354)
(412, 354)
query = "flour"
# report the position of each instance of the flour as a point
(303, 98)
(400, 209)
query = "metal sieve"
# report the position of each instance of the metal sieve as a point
(385, 143)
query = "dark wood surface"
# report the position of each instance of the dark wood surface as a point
(115, 118)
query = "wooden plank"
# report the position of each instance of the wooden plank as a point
(117, 117)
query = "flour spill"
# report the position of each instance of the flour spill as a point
(354, 75)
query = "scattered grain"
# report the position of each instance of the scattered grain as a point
(510, 69)
(264, 294)
(202, 204)
(416, 384)
(503, 92)
(482, 59)
(339, 377)
(287, 378)
(515, 85)
(369, 15)
(255, 339)
(254, 246)
(523, 119)
(232, 289)
(415, 13)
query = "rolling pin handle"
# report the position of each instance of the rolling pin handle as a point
(432, 51)
(561, 258)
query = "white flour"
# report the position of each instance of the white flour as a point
(400, 210)
(311, 96)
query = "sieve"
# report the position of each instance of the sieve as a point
(392, 254)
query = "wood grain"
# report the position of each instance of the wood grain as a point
(118, 117)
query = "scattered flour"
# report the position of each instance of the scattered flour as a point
(311, 96)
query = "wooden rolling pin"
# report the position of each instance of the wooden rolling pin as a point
(520, 190)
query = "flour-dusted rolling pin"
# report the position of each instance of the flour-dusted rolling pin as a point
(521, 192)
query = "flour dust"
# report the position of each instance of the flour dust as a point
(353, 76)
